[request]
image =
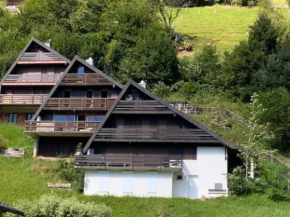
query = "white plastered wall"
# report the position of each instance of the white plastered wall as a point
(139, 182)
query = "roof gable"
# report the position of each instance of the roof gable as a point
(158, 104)
(29, 45)
(70, 68)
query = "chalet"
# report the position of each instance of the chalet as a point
(132, 142)
(29, 80)
(146, 147)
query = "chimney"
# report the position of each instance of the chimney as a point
(143, 84)
(48, 43)
(90, 61)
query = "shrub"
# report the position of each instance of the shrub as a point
(275, 194)
(53, 206)
(237, 181)
(65, 171)
(189, 89)
(161, 90)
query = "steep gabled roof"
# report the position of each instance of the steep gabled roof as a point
(83, 62)
(171, 108)
(7, 208)
(33, 40)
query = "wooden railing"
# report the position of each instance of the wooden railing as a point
(144, 106)
(30, 78)
(171, 162)
(88, 79)
(61, 126)
(154, 135)
(20, 99)
(79, 104)
(39, 56)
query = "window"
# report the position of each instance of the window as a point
(179, 177)
(12, 118)
(29, 116)
(127, 182)
(104, 94)
(81, 70)
(103, 181)
(44, 70)
(95, 117)
(152, 183)
(60, 117)
(218, 186)
(89, 94)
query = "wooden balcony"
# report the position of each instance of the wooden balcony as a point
(22, 99)
(61, 126)
(129, 162)
(87, 79)
(102, 104)
(40, 58)
(141, 106)
(154, 135)
(30, 79)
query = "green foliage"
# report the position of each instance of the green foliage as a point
(54, 206)
(241, 67)
(64, 170)
(276, 114)
(237, 182)
(276, 72)
(189, 89)
(203, 67)
(161, 90)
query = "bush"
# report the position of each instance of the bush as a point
(275, 194)
(161, 90)
(237, 181)
(65, 171)
(53, 206)
(189, 89)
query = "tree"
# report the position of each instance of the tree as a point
(241, 67)
(203, 67)
(276, 114)
(276, 72)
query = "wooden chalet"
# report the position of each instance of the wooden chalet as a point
(29, 80)
(74, 108)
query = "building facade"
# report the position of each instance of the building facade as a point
(129, 141)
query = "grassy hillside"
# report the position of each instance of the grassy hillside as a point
(223, 26)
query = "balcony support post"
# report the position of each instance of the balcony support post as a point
(36, 146)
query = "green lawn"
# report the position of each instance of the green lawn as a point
(223, 26)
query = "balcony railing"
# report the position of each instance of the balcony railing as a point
(79, 104)
(154, 135)
(88, 79)
(39, 57)
(22, 99)
(30, 78)
(61, 126)
(159, 162)
(143, 106)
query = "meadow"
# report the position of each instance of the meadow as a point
(223, 26)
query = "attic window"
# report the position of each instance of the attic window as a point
(81, 70)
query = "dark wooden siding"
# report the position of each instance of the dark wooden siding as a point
(56, 146)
